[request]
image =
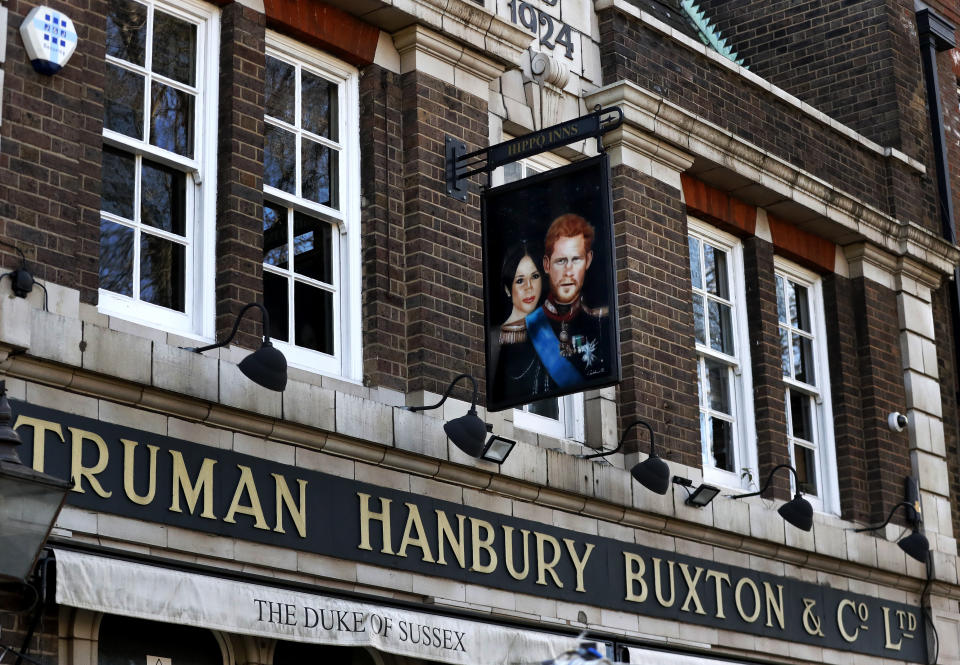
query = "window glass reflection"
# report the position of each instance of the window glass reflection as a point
(171, 119)
(319, 173)
(279, 159)
(319, 103)
(118, 183)
(123, 101)
(116, 258)
(275, 250)
(162, 272)
(313, 318)
(312, 248)
(163, 199)
(127, 30)
(280, 90)
(174, 48)
(276, 301)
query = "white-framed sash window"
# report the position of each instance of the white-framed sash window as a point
(159, 164)
(311, 212)
(803, 359)
(724, 387)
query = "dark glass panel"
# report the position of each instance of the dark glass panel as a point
(721, 327)
(127, 30)
(718, 376)
(805, 460)
(171, 119)
(174, 48)
(313, 318)
(699, 324)
(163, 198)
(277, 304)
(801, 415)
(781, 303)
(696, 275)
(312, 248)
(799, 307)
(320, 173)
(162, 272)
(116, 258)
(318, 102)
(275, 250)
(803, 359)
(715, 271)
(785, 352)
(547, 408)
(280, 90)
(118, 183)
(123, 101)
(296, 653)
(722, 444)
(279, 159)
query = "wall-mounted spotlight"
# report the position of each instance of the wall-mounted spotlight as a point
(699, 497)
(497, 449)
(916, 544)
(653, 473)
(467, 432)
(266, 366)
(797, 511)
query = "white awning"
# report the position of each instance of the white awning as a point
(150, 592)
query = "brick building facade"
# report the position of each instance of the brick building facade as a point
(785, 282)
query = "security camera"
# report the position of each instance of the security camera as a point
(897, 422)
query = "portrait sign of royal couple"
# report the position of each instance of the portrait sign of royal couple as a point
(549, 285)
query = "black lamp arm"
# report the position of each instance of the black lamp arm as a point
(767, 484)
(623, 437)
(236, 324)
(473, 402)
(889, 517)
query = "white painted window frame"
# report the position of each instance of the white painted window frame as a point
(346, 361)
(569, 424)
(825, 446)
(744, 429)
(198, 318)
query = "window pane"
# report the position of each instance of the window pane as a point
(801, 415)
(319, 173)
(785, 351)
(312, 248)
(275, 251)
(721, 328)
(280, 90)
(162, 272)
(718, 385)
(699, 324)
(279, 159)
(275, 300)
(116, 258)
(721, 444)
(799, 307)
(319, 106)
(803, 360)
(547, 408)
(512, 172)
(171, 119)
(696, 276)
(163, 198)
(118, 183)
(313, 318)
(123, 102)
(174, 48)
(805, 460)
(715, 271)
(781, 303)
(127, 30)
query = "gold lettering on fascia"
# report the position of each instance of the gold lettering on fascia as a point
(458, 535)
(751, 603)
(140, 463)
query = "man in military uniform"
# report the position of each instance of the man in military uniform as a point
(569, 336)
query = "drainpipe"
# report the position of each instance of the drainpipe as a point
(937, 34)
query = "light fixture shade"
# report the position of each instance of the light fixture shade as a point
(916, 546)
(29, 504)
(468, 433)
(266, 367)
(798, 512)
(653, 473)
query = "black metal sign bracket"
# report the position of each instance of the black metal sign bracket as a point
(460, 165)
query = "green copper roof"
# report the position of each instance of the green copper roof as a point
(706, 32)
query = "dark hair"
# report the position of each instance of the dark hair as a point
(513, 258)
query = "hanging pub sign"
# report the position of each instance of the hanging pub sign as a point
(549, 286)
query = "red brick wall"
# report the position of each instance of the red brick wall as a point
(384, 279)
(656, 316)
(240, 171)
(444, 290)
(50, 142)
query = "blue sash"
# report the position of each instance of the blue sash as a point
(547, 346)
